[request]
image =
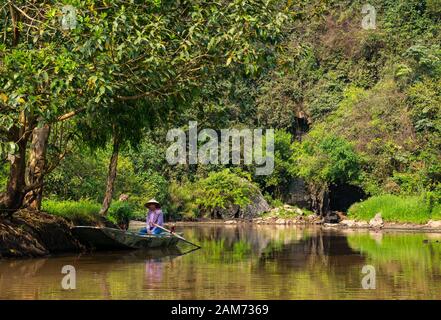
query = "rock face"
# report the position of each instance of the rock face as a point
(298, 194)
(257, 206)
(377, 221)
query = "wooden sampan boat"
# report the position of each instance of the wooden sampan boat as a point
(108, 239)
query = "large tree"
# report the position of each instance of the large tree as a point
(158, 52)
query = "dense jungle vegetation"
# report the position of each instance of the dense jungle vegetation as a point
(84, 113)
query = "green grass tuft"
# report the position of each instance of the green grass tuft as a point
(404, 209)
(84, 211)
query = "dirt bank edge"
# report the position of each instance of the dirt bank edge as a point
(33, 234)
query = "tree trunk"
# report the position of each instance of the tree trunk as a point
(12, 199)
(37, 166)
(15, 23)
(111, 176)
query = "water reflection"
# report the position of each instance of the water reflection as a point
(238, 262)
(321, 248)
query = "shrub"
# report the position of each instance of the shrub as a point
(121, 212)
(273, 202)
(436, 212)
(182, 201)
(324, 157)
(222, 189)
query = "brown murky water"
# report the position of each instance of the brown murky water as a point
(243, 262)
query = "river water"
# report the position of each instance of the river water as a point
(244, 262)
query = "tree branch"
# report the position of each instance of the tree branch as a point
(70, 114)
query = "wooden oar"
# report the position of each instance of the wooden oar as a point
(177, 236)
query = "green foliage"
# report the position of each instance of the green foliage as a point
(121, 212)
(434, 7)
(326, 97)
(273, 202)
(395, 208)
(283, 213)
(123, 67)
(4, 170)
(377, 90)
(222, 189)
(280, 177)
(370, 99)
(325, 158)
(81, 211)
(182, 201)
(83, 175)
(424, 61)
(378, 124)
(425, 100)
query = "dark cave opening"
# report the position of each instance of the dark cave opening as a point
(342, 196)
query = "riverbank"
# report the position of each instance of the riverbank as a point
(432, 226)
(290, 215)
(35, 234)
(247, 262)
(31, 234)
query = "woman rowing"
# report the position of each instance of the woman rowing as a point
(154, 217)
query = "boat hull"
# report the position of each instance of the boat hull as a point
(113, 239)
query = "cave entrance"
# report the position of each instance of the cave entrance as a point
(342, 196)
(300, 127)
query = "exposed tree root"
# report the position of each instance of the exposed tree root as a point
(32, 234)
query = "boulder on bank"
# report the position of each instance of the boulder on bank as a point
(257, 206)
(298, 193)
(227, 195)
(376, 222)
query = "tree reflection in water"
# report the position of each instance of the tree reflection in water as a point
(242, 262)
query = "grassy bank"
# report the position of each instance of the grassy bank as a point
(82, 211)
(86, 212)
(404, 209)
